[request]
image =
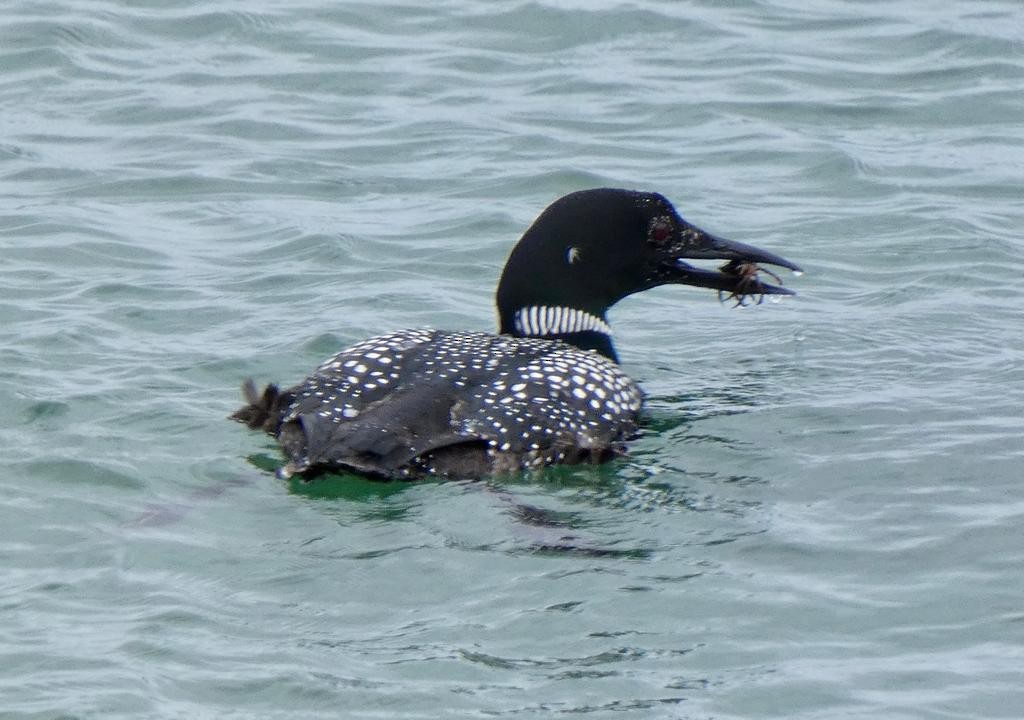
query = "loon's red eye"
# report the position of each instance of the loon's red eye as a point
(659, 231)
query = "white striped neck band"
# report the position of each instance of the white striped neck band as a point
(537, 321)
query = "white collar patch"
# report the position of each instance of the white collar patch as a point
(537, 321)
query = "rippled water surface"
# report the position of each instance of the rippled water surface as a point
(824, 516)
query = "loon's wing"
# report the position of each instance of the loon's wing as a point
(341, 387)
(423, 402)
(431, 428)
(386, 436)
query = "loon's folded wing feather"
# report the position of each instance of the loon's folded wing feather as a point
(450, 403)
(387, 435)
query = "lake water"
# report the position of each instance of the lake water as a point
(824, 516)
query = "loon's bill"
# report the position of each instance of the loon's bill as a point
(738, 276)
(546, 389)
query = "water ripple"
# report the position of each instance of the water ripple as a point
(821, 515)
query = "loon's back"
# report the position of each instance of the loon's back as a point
(426, 402)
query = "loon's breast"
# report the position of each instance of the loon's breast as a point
(421, 402)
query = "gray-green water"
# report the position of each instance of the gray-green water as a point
(824, 519)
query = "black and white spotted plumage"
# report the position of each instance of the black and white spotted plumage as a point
(515, 403)
(548, 390)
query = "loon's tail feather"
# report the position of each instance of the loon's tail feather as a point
(264, 411)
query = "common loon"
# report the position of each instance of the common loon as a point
(547, 390)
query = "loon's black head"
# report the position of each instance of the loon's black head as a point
(590, 249)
